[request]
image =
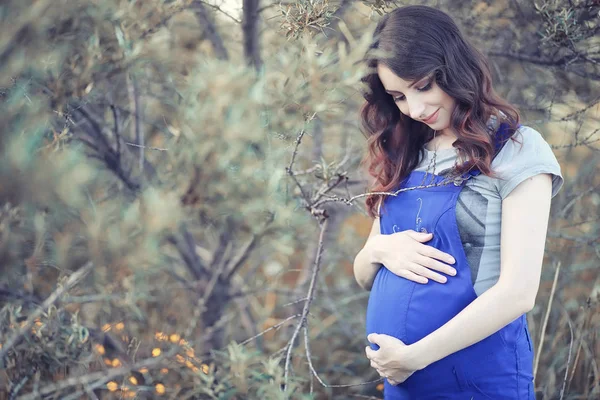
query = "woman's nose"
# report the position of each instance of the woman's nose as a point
(415, 109)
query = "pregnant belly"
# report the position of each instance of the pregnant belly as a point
(410, 311)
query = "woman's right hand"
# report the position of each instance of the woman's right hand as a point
(405, 255)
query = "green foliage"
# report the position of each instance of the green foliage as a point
(128, 144)
(56, 341)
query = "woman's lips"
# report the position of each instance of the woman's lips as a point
(433, 117)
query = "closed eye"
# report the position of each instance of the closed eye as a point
(424, 88)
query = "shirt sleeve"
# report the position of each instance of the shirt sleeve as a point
(528, 156)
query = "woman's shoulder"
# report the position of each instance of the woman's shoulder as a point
(526, 154)
(525, 142)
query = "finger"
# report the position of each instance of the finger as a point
(419, 236)
(434, 264)
(375, 365)
(427, 273)
(432, 252)
(380, 371)
(376, 338)
(382, 340)
(411, 276)
(369, 352)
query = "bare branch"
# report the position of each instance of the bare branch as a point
(201, 303)
(289, 170)
(309, 297)
(186, 248)
(210, 29)
(545, 323)
(276, 327)
(116, 129)
(314, 372)
(251, 33)
(137, 127)
(219, 9)
(243, 254)
(338, 14)
(578, 113)
(564, 385)
(146, 147)
(565, 62)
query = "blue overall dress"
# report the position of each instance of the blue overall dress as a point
(499, 366)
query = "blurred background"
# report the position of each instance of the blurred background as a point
(180, 193)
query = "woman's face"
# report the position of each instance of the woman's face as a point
(422, 100)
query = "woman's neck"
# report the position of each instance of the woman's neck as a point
(441, 141)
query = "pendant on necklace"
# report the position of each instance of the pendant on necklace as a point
(458, 180)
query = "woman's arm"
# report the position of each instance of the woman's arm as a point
(365, 266)
(525, 214)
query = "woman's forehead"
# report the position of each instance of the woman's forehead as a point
(392, 81)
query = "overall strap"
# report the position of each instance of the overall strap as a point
(502, 135)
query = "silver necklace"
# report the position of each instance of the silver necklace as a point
(432, 161)
(450, 177)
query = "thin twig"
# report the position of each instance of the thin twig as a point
(314, 372)
(309, 357)
(146, 147)
(580, 346)
(327, 187)
(234, 19)
(276, 327)
(117, 131)
(349, 201)
(577, 113)
(210, 28)
(137, 127)
(562, 391)
(236, 262)
(545, 323)
(309, 297)
(294, 302)
(309, 171)
(289, 169)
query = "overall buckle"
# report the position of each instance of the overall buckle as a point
(458, 180)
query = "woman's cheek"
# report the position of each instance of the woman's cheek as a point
(403, 110)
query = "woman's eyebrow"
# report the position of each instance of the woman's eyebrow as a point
(411, 85)
(419, 81)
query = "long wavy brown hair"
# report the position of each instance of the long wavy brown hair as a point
(415, 42)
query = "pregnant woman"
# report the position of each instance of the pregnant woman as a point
(454, 257)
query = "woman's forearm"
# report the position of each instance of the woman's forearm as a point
(488, 313)
(366, 266)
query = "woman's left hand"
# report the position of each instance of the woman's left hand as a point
(394, 360)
